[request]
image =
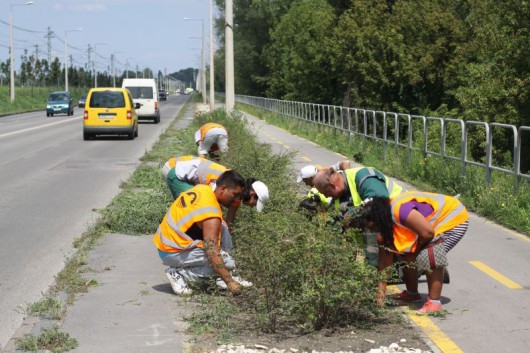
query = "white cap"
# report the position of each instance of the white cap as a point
(308, 171)
(263, 194)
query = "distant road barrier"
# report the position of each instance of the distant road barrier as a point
(376, 125)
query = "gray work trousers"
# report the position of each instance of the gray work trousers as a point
(194, 264)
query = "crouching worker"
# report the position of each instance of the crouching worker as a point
(188, 239)
(421, 227)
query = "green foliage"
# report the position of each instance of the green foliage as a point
(217, 316)
(50, 339)
(427, 172)
(48, 308)
(452, 58)
(298, 56)
(305, 272)
(138, 211)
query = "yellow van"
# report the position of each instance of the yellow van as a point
(110, 111)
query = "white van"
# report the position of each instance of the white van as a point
(145, 92)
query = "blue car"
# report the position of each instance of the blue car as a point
(60, 103)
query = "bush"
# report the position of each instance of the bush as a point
(305, 271)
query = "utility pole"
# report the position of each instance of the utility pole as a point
(212, 98)
(49, 35)
(229, 56)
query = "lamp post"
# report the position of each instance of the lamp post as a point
(66, 56)
(229, 56)
(94, 63)
(112, 69)
(203, 65)
(127, 67)
(212, 98)
(12, 59)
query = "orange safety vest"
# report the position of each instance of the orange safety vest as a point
(172, 162)
(208, 126)
(198, 170)
(192, 206)
(447, 213)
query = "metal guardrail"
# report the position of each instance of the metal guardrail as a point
(376, 126)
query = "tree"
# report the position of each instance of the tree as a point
(253, 21)
(366, 52)
(55, 73)
(298, 57)
(496, 82)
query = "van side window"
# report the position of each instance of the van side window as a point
(141, 92)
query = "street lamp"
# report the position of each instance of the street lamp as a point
(127, 67)
(94, 63)
(229, 56)
(12, 61)
(212, 98)
(66, 56)
(203, 65)
(112, 69)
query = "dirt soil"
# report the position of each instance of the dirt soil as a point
(394, 330)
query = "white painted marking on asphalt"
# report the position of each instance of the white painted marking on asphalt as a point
(39, 127)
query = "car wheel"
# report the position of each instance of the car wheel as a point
(136, 131)
(51, 114)
(47, 114)
(86, 136)
(157, 119)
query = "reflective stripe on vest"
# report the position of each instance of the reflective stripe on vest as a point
(394, 189)
(195, 205)
(209, 171)
(175, 226)
(448, 213)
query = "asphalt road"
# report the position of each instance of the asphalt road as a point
(488, 299)
(51, 181)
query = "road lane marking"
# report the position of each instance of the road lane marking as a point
(39, 127)
(495, 275)
(429, 328)
(432, 331)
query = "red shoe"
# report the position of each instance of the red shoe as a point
(407, 297)
(429, 308)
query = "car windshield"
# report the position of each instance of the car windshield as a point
(141, 92)
(58, 97)
(107, 99)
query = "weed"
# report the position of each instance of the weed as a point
(50, 339)
(47, 308)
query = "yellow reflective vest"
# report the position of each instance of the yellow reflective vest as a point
(447, 213)
(394, 189)
(198, 170)
(192, 206)
(207, 127)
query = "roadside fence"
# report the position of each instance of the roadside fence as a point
(397, 130)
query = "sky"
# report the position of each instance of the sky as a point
(147, 33)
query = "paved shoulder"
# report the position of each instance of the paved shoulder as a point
(132, 309)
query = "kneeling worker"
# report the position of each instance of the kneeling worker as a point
(188, 239)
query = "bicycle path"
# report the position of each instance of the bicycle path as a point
(488, 299)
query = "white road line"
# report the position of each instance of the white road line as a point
(39, 127)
